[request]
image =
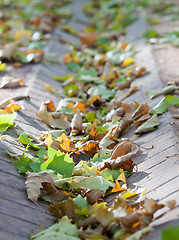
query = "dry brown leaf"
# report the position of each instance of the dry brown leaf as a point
(67, 58)
(113, 104)
(65, 208)
(140, 111)
(115, 163)
(93, 195)
(142, 119)
(121, 149)
(125, 123)
(76, 125)
(52, 119)
(88, 38)
(124, 85)
(10, 82)
(34, 184)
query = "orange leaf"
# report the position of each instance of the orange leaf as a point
(89, 148)
(117, 188)
(12, 108)
(66, 144)
(50, 106)
(79, 105)
(67, 58)
(88, 38)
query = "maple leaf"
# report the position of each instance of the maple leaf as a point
(34, 184)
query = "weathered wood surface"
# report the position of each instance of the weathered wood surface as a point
(158, 174)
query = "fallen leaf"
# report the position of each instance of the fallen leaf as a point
(121, 149)
(164, 104)
(63, 230)
(76, 125)
(10, 82)
(93, 195)
(88, 38)
(115, 163)
(6, 121)
(89, 148)
(50, 106)
(140, 111)
(12, 108)
(127, 61)
(55, 120)
(59, 162)
(34, 184)
(148, 126)
(117, 187)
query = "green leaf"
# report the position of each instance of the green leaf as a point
(22, 164)
(63, 230)
(6, 121)
(91, 117)
(96, 182)
(74, 67)
(110, 175)
(170, 233)
(167, 90)
(62, 79)
(101, 90)
(59, 162)
(24, 139)
(149, 126)
(150, 34)
(81, 202)
(164, 104)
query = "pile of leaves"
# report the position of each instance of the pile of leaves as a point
(80, 167)
(25, 26)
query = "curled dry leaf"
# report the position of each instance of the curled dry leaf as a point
(126, 92)
(93, 195)
(76, 125)
(142, 119)
(34, 184)
(140, 111)
(113, 104)
(114, 163)
(124, 85)
(10, 82)
(121, 149)
(52, 119)
(88, 38)
(125, 123)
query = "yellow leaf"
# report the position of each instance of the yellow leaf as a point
(21, 34)
(3, 67)
(122, 176)
(128, 194)
(127, 61)
(49, 88)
